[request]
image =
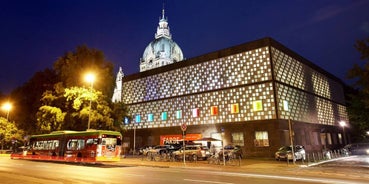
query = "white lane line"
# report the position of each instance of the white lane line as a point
(297, 178)
(128, 174)
(206, 181)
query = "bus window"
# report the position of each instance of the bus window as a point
(80, 144)
(72, 145)
(76, 144)
(89, 142)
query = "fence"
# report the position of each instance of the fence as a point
(319, 156)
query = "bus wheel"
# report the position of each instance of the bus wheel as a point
(79, 155)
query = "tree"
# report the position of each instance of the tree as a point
(71, 67)
(79, 109)
(120, 110)
(9, 132)
(359, 101)
(26, 99)
(66, 106)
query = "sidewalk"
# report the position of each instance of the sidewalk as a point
(246, 164)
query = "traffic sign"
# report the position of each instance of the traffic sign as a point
(184, 127)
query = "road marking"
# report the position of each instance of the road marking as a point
(206, 181)
(317, 180)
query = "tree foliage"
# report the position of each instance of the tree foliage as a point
(359, 100)
(71, 68)
(26, 99)
(58, 98)
(67, 105)
(9, 131)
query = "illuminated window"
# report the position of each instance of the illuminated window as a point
(257, 105)
(126, 120)
(285, 105)
(179, 114)
(261, 139)
(237, 138)
(164, 116)
(138, 118)
(234, 108)
(195, 112)
(150, 117)
(214, 110)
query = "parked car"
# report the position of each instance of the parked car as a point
(356, 149)
(192, 152)
(161, 149)
(285, 152)
(144, 149)
(230, 149)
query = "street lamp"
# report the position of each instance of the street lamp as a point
(6, 107)
(343, 124)
(90, 78)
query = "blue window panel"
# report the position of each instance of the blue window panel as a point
(138, 119)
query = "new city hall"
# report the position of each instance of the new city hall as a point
(249, 95)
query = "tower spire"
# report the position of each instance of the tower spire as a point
(163, 12)
(163, 28)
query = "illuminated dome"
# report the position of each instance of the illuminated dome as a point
(162, 50)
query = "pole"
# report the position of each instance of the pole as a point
(344, 135)
(7, 115)
(134, 139)
(89, 111)
(291, 140)
(184, 147)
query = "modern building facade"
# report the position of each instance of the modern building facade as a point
(246, 93)
(256, 95)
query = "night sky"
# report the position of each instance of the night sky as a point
(34, 33)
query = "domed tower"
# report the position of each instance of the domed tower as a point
(162, 50)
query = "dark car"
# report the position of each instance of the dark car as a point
(356, 149)
(230, 149)
(285, 152)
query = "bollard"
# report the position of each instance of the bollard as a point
(314, 157)
(308, 159)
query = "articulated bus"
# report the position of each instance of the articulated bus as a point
(73, 146)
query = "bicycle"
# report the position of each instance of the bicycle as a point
(214, 159)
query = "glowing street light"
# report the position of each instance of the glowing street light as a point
(7, 107)
(90, 78)
(343, 124)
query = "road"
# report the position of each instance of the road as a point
(22, 171)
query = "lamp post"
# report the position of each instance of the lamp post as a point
(90, 78)
(343, 124)
(7, 107)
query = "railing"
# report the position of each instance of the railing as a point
(319, 156)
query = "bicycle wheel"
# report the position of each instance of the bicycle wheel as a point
(230, 160)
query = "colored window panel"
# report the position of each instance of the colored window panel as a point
(126, 120)
(285, 105)
(257, 105)
(164, 116)
(195, 112)
(150, 117)
(214, 110)
(138, 118)
(235, 108)
(179, 114)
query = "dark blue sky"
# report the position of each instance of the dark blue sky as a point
(35, 33)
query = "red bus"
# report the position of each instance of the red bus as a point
(73, 146)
